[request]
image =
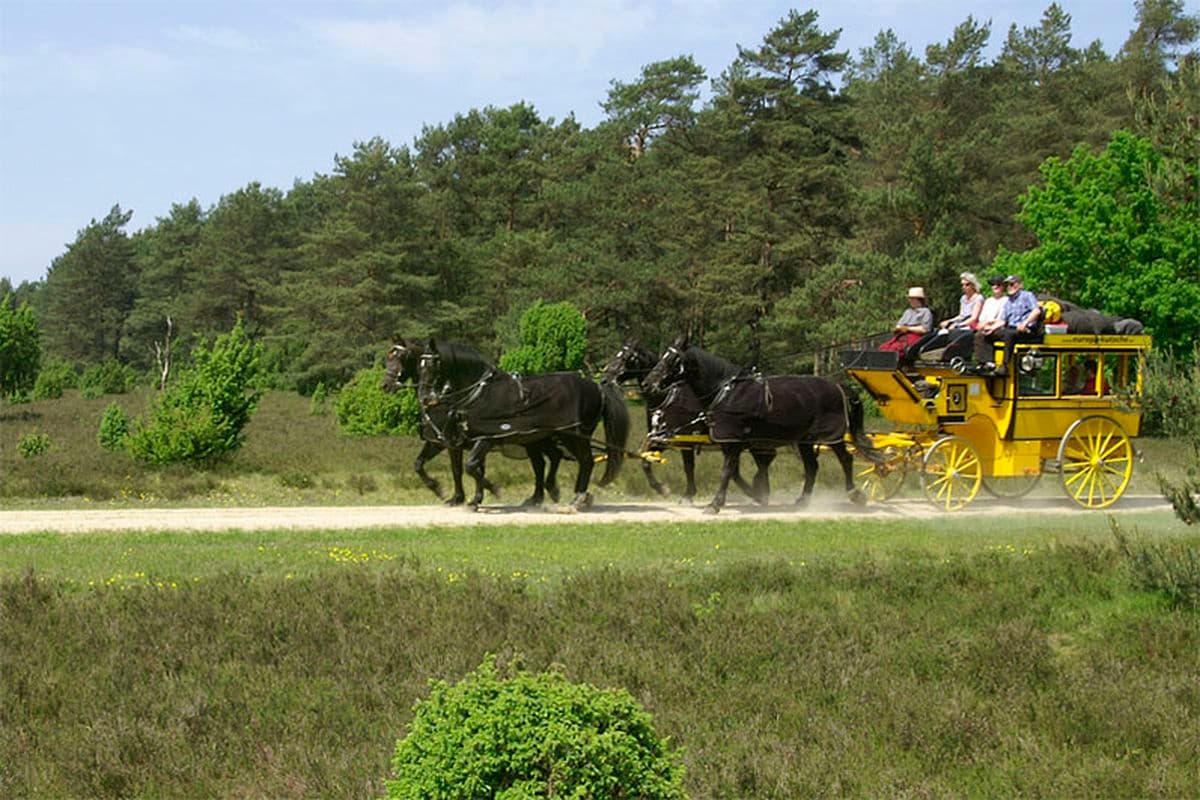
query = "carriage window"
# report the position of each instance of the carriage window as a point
(1116, 373)
(1079, 373)
(1038, 375)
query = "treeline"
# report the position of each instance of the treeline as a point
(786, 212)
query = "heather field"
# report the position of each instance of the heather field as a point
(1013, 654)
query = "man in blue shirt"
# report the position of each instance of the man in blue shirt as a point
(1022, 322)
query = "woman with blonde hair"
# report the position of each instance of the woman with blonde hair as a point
(969, 305)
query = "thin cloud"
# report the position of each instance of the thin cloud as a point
(215, 38)
(45, 66)
(504, 39)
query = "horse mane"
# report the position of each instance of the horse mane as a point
(461, 362)
(713, 369)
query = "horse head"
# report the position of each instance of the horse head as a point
(632, 361)
(400, 364)
(669, 369)
(429, 369)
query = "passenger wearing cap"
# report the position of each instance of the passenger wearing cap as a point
(1021, 322)
(915, 322)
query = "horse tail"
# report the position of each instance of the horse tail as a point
(855, 422)
(616, 431)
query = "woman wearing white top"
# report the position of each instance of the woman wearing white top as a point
(993, 307)
(970, 305)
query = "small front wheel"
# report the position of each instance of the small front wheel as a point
(882, 480)
(951, 473)
(1096, 460)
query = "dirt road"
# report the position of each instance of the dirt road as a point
(331, 517)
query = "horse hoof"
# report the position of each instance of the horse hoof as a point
(472, 506)
(857, 497)
(685, 501)
(455, 501)
(581, 502)
(554, 495)
(802, 501)
(711, 509)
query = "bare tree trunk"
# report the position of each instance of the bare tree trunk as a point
(162, 356)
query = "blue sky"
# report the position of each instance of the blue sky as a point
(150, 103)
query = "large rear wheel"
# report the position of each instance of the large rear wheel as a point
(1096, 460)
(951, 473)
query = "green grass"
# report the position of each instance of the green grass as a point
(292, 457)
(543, 552)
(793, 660)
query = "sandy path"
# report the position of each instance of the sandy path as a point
(331, 517)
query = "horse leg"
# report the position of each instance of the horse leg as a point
(456, 470)
(847, 461)
(538, 462)
(581, 449)
(808, 454)
(733, 452)
(428, 451)
(474, 467)
(655, 485)
(762, 478)
(554, 456)
(688, 454)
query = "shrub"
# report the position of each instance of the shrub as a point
(107, 377)
(362, 408)
(1170, 567)
(553, 339)
(202, 414)
(1171, 398)
(320, 396)
(20, 347)
(33, 444)
(523, 735)
(114, 427)
(55, 377)
(296, 479)
(362, 484)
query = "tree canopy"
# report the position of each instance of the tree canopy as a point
(779, 212)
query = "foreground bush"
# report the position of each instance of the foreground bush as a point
(362, 408)
(528, 736)
(202, 414)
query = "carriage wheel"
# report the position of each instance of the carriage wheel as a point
(1096, 459)
(951, 473)
(1011, 487)
(881, 481)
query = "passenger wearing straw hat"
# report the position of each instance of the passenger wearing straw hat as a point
(915, 322)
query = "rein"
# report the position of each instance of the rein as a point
(457, 398)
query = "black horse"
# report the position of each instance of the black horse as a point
(674, 411)
(490, 407)
(400, 367)
(748, 410)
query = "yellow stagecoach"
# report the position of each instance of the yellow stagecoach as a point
(1069, 405)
